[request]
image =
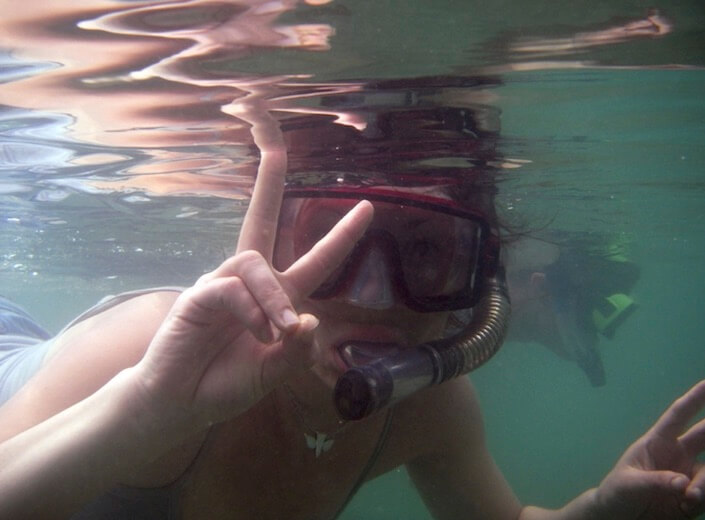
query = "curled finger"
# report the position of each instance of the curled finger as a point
(230, 294)
(263, 284)
(296, 352)
(694, 495)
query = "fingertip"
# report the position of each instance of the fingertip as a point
(679, 483)
(694, 494)
(297, 325)
(302, 343)
(367, 207)
(290, 320)
(692, 503)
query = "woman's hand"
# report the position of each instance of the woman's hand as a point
(235, 334)
(659, 476)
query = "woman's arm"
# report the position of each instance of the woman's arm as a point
(456, 475)
(52, 428)
(658, 478)
(50, 470)
(84, 358)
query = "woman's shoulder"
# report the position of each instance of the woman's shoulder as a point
(434, 420)
(455, 398)
(126, 313)
(87, 355)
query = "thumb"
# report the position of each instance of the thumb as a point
(294, 353)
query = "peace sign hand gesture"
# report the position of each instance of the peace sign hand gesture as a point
(659, 476)
(235, 335)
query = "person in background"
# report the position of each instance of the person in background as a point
(566, 298)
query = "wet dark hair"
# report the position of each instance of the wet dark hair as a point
(591, 276)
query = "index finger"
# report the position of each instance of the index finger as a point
(674, 420)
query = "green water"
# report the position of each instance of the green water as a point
(614, 148)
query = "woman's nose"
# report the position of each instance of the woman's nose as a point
(371, 286)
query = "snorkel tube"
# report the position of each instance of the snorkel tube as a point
(362, 390)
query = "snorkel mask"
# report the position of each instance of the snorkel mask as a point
(351, 142)
(426, 252)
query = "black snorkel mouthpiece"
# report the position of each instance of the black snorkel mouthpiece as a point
(362, 390)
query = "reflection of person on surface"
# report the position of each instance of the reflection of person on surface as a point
(567, 298)
(216, 403)
(653, 25)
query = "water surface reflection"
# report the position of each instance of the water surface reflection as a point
(112, 106)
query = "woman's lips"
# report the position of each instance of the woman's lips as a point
(356, 353)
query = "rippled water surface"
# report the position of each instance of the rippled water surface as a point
(123, 163)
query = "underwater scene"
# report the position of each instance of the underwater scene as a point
(127, 161)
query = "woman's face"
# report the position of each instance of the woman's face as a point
(364, 314)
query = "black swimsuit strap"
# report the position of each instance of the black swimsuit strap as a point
(381, 442)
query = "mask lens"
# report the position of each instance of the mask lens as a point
(439, 258)
(433, 251)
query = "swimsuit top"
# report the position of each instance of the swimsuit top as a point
(130, 503)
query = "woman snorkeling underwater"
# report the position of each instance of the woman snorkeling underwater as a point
(216, 401)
